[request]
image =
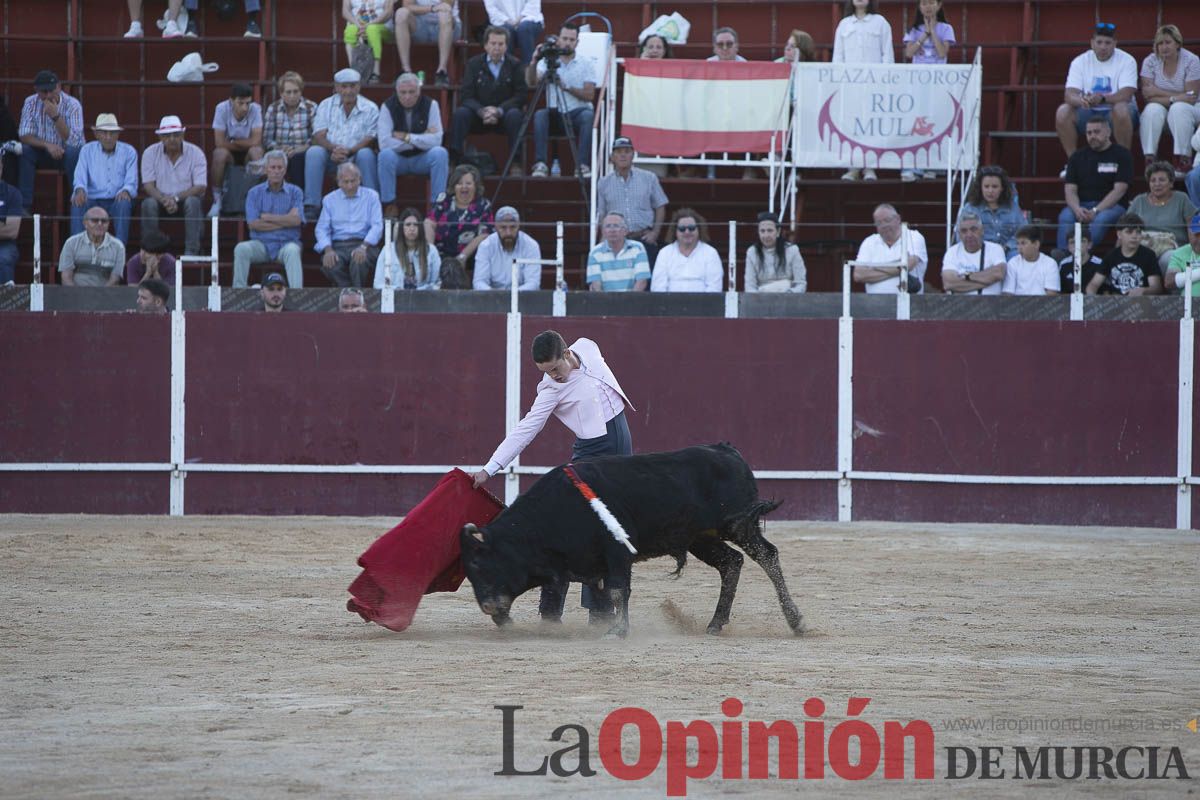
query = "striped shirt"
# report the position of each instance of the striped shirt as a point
(281, 129)
(635, 197)
(79, 253)
(617, 272)
(36, 122)
(342, 130)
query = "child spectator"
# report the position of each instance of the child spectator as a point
(1030, 272)
(927, 42)
(1089, 261)
(1130, 268)
(152, 261)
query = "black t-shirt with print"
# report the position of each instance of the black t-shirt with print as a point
(1129, 272)
(1066, 272)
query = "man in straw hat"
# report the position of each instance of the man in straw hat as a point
(105, 176)
(174, 178)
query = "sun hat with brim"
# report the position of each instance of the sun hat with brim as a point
(170, 124)
(107, 122)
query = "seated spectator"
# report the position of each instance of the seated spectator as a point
(410, 141)
(274, 214)
(492, 97)
(351, 301)
(461, 218)
(94, 257)
(618, 263)
(349, 230)
(688, 263)
(654, 47)
(863, 36)
(570, 98)
(136, 31)
(344, 129)
(1100, 82)
(253, 9)
(1130, 268)
(798, 49)
(288, 124)
(106, 175)
(426, 22)
(1170, 85)
(1192, 181)
(1030, 272)
(153, 261)
(522, 19)
(772, 263)
(993, 199)
(974, 265)
(174, 181)
(493, 260)
(238, 131)
(1164, 211)
(1097, 177)
(10, 227)
(634, 192)
(273, 293)
(10, 140)
(367, 21)
(416, 263)
(725, 45)
(878, 259)
(1088, 262)
(51, 133)
(1186, 260)
(153, 296)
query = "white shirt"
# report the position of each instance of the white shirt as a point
(1090, 74)
(698, 272)
(874, 251)
(501, 11)
(1031, 277)
(493, 264)
(864, 41)
(959, 260)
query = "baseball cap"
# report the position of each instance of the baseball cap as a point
(45, 80)
(507, 213)
(274, 278)
(622, 141)
(1194, 225)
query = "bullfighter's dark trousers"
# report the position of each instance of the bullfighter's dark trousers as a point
(615, 442)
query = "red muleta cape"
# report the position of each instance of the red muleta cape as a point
(421, 554)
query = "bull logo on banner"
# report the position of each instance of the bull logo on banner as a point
(888, 125)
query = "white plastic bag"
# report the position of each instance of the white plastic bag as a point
(674, 28)
(190, 69)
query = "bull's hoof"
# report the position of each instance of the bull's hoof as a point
(617, 632)
(601, 617)
(714, 629)
(502, 619)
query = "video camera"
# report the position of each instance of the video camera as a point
(551, 53)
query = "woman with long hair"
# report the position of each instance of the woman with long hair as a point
(994, 200)
(415, 264)
(772, 263)
(689, 263)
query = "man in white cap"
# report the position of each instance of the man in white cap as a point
(105, 176)
(493, 259)
(344, 129)
(174, 178)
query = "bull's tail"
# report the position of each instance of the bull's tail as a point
(749, 519)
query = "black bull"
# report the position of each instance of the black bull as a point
(670, 504)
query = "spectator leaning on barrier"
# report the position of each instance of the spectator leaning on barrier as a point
(152, 261)
(106, 175)
(571, 96)
(617, 263)
(344, 130)
(634, 192)
(238, 131)
(288, 124)
(1130, 268)
(410, 141)
(94, 257)
(772, 263)
(492, 97)
(426, 22)
(351, 301)
(349, 230)
(1030, 271)
(1097, 177)
(523, 21)
(1171, 87)
(10, 227)
(274, 214)
(1185, 259)
(51, 133)
(883, 248)
(688, 263)
(973, 266)
(367, 21)
(416, 263)
(1164, 211)
(153, 296)
(1101, 82)
(993, 199)
(725, 45)
(174, 180)
(273, 293)
(493, 259)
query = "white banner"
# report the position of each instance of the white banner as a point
(890, 116)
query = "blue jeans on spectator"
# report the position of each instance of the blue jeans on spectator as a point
(317, 165)
(118, 210)
(8, 260)
(250, 5)
(525, 38)
(35, 158)
(1193, 185)
(581, 122)
(1098, 227)
(434, 162)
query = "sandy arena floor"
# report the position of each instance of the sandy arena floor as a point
(213, 657)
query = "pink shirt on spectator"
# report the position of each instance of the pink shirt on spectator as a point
(190, 169)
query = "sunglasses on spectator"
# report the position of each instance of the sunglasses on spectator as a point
(685, 228)
(1106, 28)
